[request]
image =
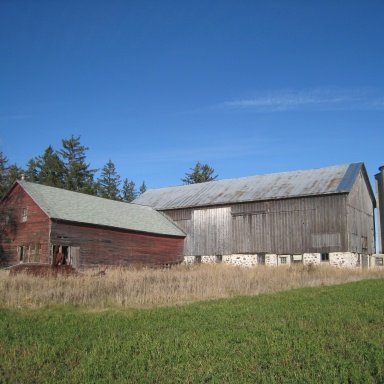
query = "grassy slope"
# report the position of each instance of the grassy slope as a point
(319, 335)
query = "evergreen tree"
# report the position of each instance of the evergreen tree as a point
(129, 193)
(3, 174)
(77, 175)
(14, 173)
(32, 172)
(8, 174)
(200, 174)
(108, 183)
(143, 188)
(47, 169)
(51, 169)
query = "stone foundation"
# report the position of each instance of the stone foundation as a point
(337, 259)
(241, 260)
(344, 259)
(311, 258)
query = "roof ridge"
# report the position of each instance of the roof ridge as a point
(257, 175)
(278, 185)
(61, 204)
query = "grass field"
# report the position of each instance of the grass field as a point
(329, 334)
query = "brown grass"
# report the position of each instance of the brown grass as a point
(130, 288)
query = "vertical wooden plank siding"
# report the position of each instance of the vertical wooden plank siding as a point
(209, 230)
(360, 219)
(183, 218)
(212, 228)
(299, 225)
(286, 226)
(32, 232)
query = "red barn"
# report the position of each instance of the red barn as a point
(41, 224)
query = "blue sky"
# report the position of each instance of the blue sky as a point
(248, 87)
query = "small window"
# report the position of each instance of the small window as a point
(325, 257)
(219, 258)
(261, 259)
(24, 215)
(283, 260)
(379, 261)
(197, 259)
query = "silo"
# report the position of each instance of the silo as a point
(380, 205)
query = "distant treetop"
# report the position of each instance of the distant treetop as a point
(200, 174)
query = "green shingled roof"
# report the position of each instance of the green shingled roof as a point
(66, 205)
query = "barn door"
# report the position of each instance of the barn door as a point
(212, 231)
(75, 257)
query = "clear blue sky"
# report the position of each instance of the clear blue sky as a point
(248, 87)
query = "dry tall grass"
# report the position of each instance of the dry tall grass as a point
(129, 288)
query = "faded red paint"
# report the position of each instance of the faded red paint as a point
(34, 231)
(109, 246)
(97, 245)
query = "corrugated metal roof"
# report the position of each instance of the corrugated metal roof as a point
(329, 180)
(81, 208)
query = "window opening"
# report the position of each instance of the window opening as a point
(24, 215)
(61, 255)
(325, 257)
(21, 250)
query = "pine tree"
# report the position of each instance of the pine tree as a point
(143, 188)
(200, 174)
(77, 176)
(47, 169)
(8, 174)
(14, 173)
(51, 169)
(3, 174)
(108, 183)
(32, 172)
(129, 193)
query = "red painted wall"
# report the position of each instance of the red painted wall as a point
(109, 246)
(32, 234)
(98, 245)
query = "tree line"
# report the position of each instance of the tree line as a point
(67, 168)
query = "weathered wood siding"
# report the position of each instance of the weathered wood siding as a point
(299, 225)
(212, 229)
(209, 230)
(108, 246)
(360, 219)
(31, 234)
(286, 226)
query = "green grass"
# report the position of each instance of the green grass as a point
(318, 335)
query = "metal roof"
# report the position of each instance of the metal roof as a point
(329, 180)
(77, 207)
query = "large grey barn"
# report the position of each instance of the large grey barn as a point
(312, 216)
